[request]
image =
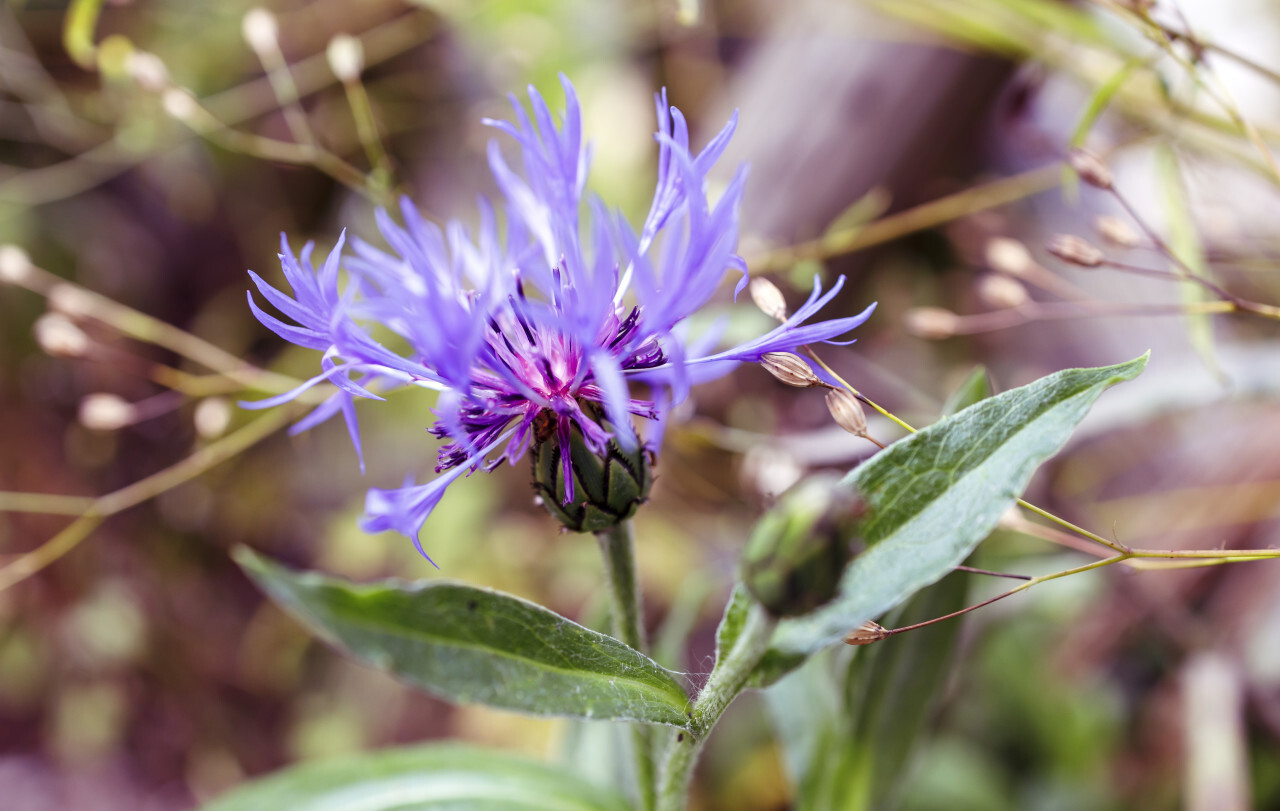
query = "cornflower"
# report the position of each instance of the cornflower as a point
(535, 332)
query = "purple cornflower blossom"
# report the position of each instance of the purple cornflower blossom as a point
(533, 330)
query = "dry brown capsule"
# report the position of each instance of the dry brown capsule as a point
(1074, 250)
(933, 323)
(847, 411)
(1090, 168)
(790, 369)
(768, 298)
(866, 633)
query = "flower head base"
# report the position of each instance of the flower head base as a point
(538, 330)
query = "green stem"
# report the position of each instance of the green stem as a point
(727, 680)
(617, 544)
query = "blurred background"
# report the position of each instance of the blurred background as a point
(912, 145)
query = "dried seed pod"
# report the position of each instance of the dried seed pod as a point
(790, 369)
(1002, 292)
(15, 265)
(768, 298)
(847, 411)
(260, 29)
(1091, 168)
(346, 57)
(866, 633)
(933, 323)
(1074, 250)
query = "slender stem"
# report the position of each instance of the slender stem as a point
(617, 545)
(726, 682)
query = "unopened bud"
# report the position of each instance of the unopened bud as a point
(608, 487)
(260, 30)
(70, 300)
(866, 633)
(1116, 231)
(1002, 292)
(1074, 250)
(180, 103)
(60, 337)
(212, 416)
(933, 323)
(847, 411)
(346, 57)
(790, 369)
(798, 551)
(768, 298)
(106, 412)
(1009, 256)
(148, 70)
(15, 265)
(1090, 168)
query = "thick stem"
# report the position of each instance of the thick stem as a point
(617, 545)
(727, 680)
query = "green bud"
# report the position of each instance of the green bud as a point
(798, 550)
(607, 488)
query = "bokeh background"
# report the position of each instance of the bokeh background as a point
(143, 671)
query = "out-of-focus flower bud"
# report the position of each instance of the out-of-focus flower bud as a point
(1008, 256)
(1116, 231)
(607, 489)
(148, 70)
(790, 369)
(212, 416)
(106, 412)
(180, 103)
(866, 633)
(1002, 292)
(346, 57)
(60, 337)
(768, 298)
(797, 552)
(1074, 250)
(933, 323)
(15, 265)
(1091, 168)
(260, 30)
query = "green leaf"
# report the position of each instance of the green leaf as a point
(468, 644)
(892, 688)
(1184, 242)
(975, 388)
(420, 778)
(933, 496)
(850, 751)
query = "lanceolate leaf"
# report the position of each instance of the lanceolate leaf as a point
(935, 495)
(468, 644)
(424, 778)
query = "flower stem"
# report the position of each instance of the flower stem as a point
(727, 680)
(617, 545)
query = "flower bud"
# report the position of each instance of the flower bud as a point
(866, 633)
(1116, 231)
(768, 298)
(180, 104)
(607, 488)
(15, 265)
(346, 57)
(1074, 250)
(1008, 256)
(1002, 292)
(106, 412)
(1090, 168)
(790, 369)
(60, 337)
(798, 551)
(260, 29)
(933, 323)
(847, 411)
